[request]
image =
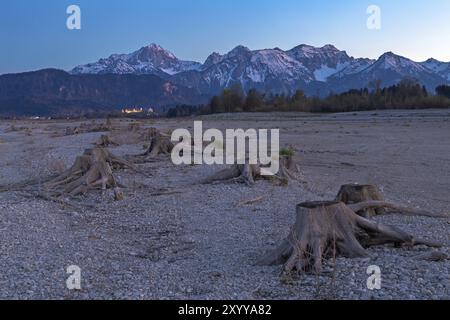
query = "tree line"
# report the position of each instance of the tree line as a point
(408, 94)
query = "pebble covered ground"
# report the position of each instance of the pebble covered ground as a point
(200, 243)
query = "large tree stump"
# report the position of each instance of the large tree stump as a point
(325, 229)
(92, 170)
(355, 193)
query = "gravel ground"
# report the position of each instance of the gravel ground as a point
(199, 244)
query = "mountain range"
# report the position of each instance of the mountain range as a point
(154, 77)
(315, 70)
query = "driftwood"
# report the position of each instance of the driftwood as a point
(326, 229)
(249, 202)
(433, 256)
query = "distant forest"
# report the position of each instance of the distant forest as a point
(408, 94)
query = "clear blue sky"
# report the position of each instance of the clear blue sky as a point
(33, 33)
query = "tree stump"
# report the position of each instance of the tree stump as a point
(92, 170)
(246, 173)
(367, 201)
(109, 123)
(134, 127)
(149, 134)
(249, 173)
(326, 229)
(288, 168)
(354, 193)
(159, 144)
(105, 141)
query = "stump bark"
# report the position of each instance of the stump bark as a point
(326, 229)
(355, 193)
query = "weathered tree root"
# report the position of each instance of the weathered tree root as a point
(367, 201)
(92, 170)
(325, 229)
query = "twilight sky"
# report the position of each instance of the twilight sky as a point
(33, 33)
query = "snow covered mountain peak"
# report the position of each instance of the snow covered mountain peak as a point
(237, 51)
(397, 63)
(151, 59)
(327, 61)
(439, 67)
(154, 51)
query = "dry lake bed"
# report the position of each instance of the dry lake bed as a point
(201, 241)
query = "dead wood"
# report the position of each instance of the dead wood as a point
(325, 229)
(165, 192)
(433, 256)
(249, 202)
